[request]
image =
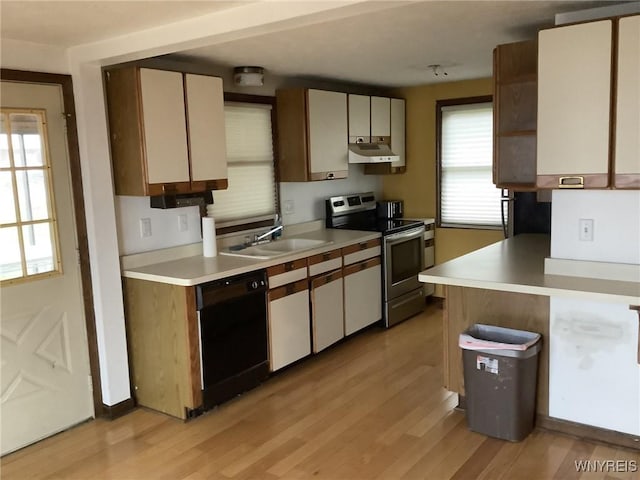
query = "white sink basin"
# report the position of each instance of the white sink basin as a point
(276, 248)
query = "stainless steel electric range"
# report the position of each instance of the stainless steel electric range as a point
(402, 252)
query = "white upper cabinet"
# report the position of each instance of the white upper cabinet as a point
(328, 151)
(165, 136)
(380, 117)
(312, 135)
(627, 143)
(167, 131)
(359, 118)
(574, 95)
(205, 110)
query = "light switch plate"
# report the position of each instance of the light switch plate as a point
(145, 227)
(183, 224)
(289, 207)
(586, 230)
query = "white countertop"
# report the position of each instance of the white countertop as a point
(517, 265)
(197, 269)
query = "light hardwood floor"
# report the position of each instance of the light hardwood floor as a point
(370, 408)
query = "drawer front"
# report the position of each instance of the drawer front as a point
(287, 273)
(325, 262)
(430, 232)
(321, 280)
(358, 267)
(289, 289)
(357, 247)
(362, 255)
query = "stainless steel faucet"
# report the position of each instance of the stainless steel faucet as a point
(278, 227)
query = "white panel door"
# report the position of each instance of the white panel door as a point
(289, 329)
(328, 135)
(380, 117)
(574, 95)
(165, 130)
(627, 159)
(327, 314)
(594, 375)
(45, 363)
(205, 107)
(362, 299)
(359, 118)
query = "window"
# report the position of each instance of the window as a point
(28, 232)
(251, 198)
(467, 196)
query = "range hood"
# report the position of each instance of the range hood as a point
(371, 153)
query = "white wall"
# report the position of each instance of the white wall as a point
(308, 197)
(164, 226)
(19, 55)
(616, 232)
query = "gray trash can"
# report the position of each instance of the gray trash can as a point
(500, 375)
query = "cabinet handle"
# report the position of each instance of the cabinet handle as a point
(363, 246)
(326, 256)
(330, 175)
(571, 182)
(288, 266)
(169, 188)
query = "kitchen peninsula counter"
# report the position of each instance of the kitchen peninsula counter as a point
(504, 284)
(517, 265)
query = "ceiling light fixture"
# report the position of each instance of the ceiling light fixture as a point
(437, 70)
(248, 76)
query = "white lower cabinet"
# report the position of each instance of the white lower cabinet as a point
(594, 375)
(327, 314)
(289, 334)
(362, 295)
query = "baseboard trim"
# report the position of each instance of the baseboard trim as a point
(119, 409)
(577, 430)
(588, 432)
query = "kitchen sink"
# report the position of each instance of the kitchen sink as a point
(275, 248)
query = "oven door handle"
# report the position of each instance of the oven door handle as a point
(403, 236)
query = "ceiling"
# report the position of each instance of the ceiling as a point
(390, 47)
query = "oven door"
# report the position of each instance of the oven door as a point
(404, 259)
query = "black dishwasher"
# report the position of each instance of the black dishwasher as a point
(233, 336)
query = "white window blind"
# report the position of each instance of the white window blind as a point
(251, 195)
(468, 196)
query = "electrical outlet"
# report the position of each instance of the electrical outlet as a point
(586, 229)
(145, 227)
(183, 224)
(289, 207)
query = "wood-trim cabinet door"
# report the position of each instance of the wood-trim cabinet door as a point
(206, 128)
(398, 131)
(327, 310)
(515, 70)
(574, 100)
(328, 134)
(362, 295)
(289, 327)
(380, 117)
(359, 118)
(164, 126)
(627, 131)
